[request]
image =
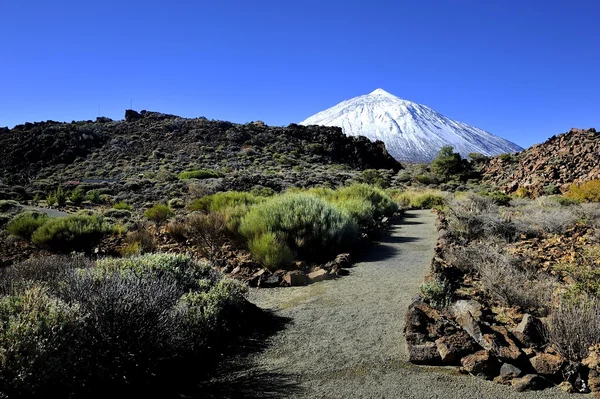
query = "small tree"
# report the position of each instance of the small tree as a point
(449, 163)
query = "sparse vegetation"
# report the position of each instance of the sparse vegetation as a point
(200, 174)
(26, 223)
(78, 232)
(122, 206)
(159, 213)
(65, 331)
(585, 192)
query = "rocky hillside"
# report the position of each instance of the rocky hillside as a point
(145, 153)
(549, 167)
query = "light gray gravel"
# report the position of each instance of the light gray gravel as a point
(344, 337)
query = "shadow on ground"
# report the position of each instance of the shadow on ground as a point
(386, 246)
(237, 377)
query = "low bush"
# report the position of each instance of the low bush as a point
(504, 278)
(271, 251)
(58, 197)
(585, 192)
(499, 198)
(139, 242)
(122, 206)
(381, 203)
(94, 196)
(36, 343)
(575, 327)
(221, 201)
(78, 232)
(419, 199)
(159, 213)
(178, 230)
(476, 217)
(438, 293)
(77, 196)
(305, 223)
(9, 205)
(26, 223)
(200, 174)
(119, 328)
(208, 232)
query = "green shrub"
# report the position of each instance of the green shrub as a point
(77, 196)
(123, 328)
(122, 206)
(271, 251)
(419, 199)
(382, 204)
(498, 197)
(159, 213)
(58, 197)
(438, 293)
(585, 192)
(307, 224)
(94, 196)
(78, 232)
(427, 178)
(182, 268)
(374, 178)
(563, 201)
(9, 205)
(220, 201)
(26, 223)
(200, 174)
(449, 163)
(36, 334)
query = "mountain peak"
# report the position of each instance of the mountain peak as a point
(411, 132)
(380, 92)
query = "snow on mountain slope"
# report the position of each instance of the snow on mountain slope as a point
(410, 131)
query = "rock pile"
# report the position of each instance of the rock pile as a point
(549, 167)
(469, 334)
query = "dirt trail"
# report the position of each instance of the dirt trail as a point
(344, 337)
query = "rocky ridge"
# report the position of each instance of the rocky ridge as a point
(138, 159)
(550, 167)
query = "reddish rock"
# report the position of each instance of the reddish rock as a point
(547, 364)
(452, 347)
(295, 278)
(425, 354)
(481, 364)
(318, 275)
(529, 331)
(503, 346)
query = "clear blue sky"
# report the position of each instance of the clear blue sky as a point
(522, 69)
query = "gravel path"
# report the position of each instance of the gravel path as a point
(344, 337)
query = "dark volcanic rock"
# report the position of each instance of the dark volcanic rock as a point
(550, 166)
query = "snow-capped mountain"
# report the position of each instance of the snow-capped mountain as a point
(411, 132)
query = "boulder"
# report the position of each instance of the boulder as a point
(295, 278)
(547, 364)
(318, 275)
(503, 346)
(529, 331)
(481, 364)
(271, 281)
(530, 382)
(418, 318)
(452, 347)
(510, 371)
(467, 314)
(425, 354)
